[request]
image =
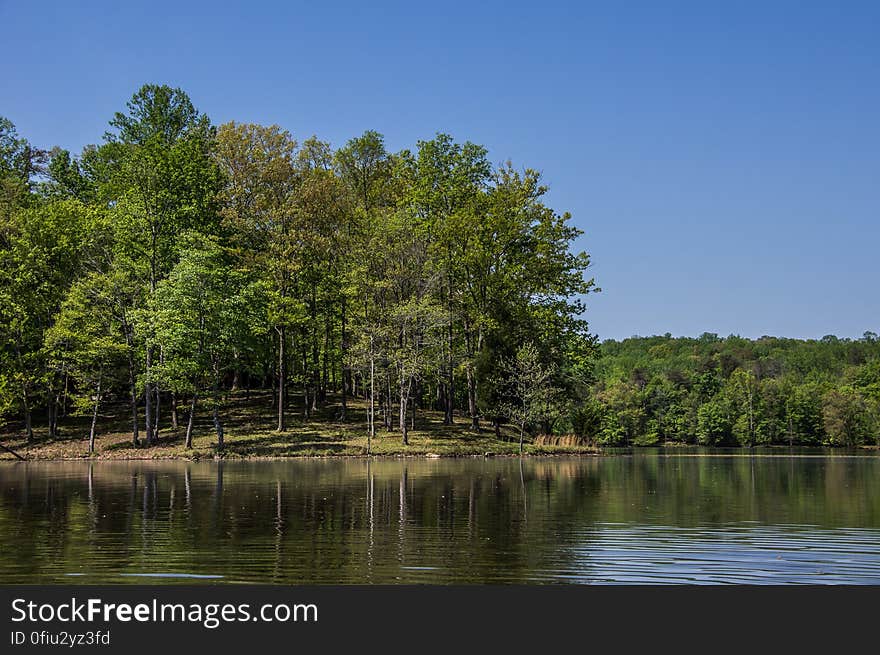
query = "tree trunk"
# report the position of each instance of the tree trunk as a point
(281, 380)
(325, 363)
(50, 413)
(522, 430)
(387, 408)
(218, 426)
(156, 415)
(53, 401)
(12, 452)
(448, 418)
(94, 419)
(472, 399)
(404, 428)
(346, 372)
(414, 403)
(134, 416)
(440, 399)
(404, 404)
(28, 423)
(148, 404)
(305, 379)
(315, 375)
(189, 423)
(372, 418)
(450, 372)
(174, 422)
(132, 382)
(64, 395)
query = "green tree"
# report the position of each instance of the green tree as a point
(743, 390)
(365, 169)
(44, 251)
(20, 165)
(528, 389)
(713, 423)
(448, 185)
(259, 210)
(161, 179)
(844, 417)
(202, 311)
(85, 342)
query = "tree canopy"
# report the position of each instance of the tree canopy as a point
(176, 262)
(738, 392)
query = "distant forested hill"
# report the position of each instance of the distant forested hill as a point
(734, 391)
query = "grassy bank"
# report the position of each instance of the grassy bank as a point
(248, 429)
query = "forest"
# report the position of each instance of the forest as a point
(737, 392)
(177, 267)
(176, 263)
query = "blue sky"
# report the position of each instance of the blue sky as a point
(722, 158)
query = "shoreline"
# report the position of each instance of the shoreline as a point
(274, 447)
(264, 458)
(35, 455)
(164, 452)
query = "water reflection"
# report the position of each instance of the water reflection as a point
(643, 518)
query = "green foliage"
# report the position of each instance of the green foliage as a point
(527, 387)
(201, 313)
(45, 250)
(87, 342)
(176, 261)
(733, 391)
(713, 423)
(20, 165)
(846, 417)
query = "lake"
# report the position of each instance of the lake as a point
(648, 517)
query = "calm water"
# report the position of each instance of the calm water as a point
(617, 519)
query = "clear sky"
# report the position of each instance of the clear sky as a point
(723, 158)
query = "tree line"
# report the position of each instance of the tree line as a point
(736, 392)
(177, 261)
